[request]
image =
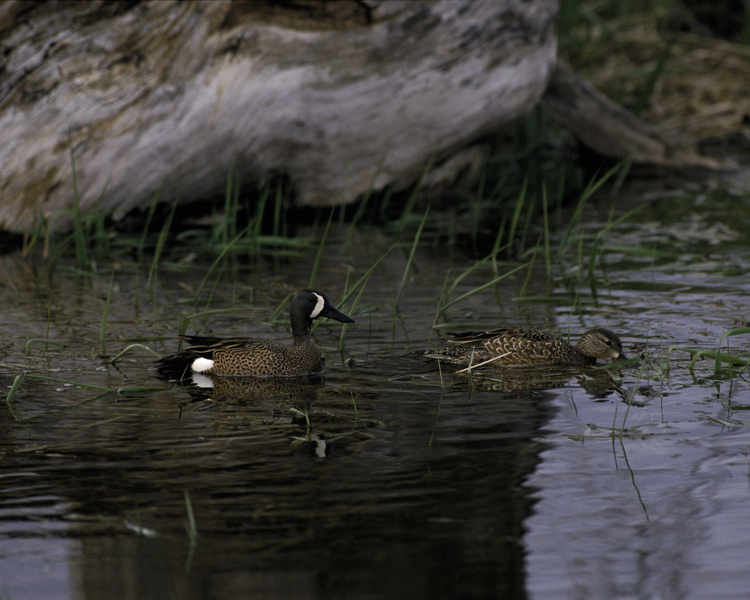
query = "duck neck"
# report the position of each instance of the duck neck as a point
(301, 330)
(584, 358)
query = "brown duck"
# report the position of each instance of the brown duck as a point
(517, 346)
(243, 357)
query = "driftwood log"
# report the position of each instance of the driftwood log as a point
(165, 95)
(112, 102)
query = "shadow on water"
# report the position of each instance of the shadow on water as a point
(355, 486)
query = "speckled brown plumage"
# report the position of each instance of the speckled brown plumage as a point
(242, 357)
(525, 347)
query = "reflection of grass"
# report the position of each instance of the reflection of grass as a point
(19, 379)
(192, 530)
(607, 433)
(324, 428)
(190, 526)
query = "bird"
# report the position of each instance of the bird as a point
(248, 357)
(520, 346)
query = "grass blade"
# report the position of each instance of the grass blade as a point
(129, 348)
(161, 242)
(483, 286)
(319, 256)
(731, 332)
(411, 256)
(105, 315)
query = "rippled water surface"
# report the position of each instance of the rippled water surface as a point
(391, 477)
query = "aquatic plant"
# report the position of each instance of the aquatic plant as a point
(724, 362)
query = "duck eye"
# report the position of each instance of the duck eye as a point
(608, 342)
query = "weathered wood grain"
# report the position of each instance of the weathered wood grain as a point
(169, 95)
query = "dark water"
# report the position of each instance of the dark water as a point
(389, 478)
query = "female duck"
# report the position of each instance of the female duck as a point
(242, 357)
(527, 347)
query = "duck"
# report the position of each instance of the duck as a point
(250, 357)
(520, 346)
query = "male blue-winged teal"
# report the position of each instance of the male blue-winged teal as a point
(518, 346)
(242, 357)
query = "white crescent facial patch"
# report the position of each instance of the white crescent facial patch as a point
(319, 305)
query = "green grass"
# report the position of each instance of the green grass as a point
(410, 258)
(444, 303)
(500, 215)
(725, 364)
(319, 255)
(159, 248)
(105, 316)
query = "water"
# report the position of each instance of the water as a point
(389, 478)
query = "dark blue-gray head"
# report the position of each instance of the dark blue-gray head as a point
(311, 304)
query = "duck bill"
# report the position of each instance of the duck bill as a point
(332, 313)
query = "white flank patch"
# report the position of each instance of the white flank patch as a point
(201, 365)
(318, 306)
